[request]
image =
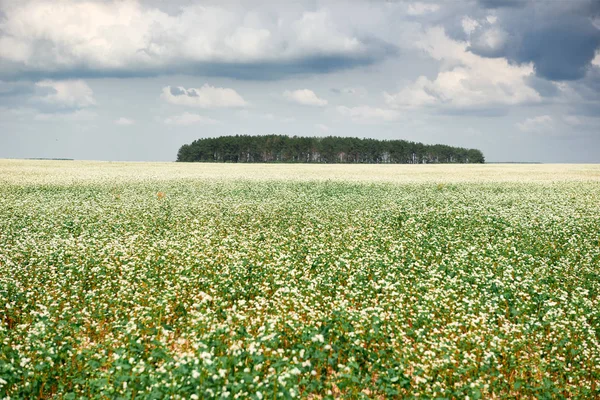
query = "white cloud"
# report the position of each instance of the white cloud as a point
(305, 97)
(124, 121)
(596, 60)
(419, 8)
(491, 19)
(186, 119)
(490, 40)
(322, 127)
(73, 116)
(68, 93)
(469, 24)
(539, 124)
(52, 36)
(465, 80)
(368, 114)
(205, 97)
(317, 30)
(415, 95)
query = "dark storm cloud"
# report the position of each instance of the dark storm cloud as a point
(266, 71)
(12, 89)
(175, 91)
(561, 48)
(544, 87)
(25, 94)
(588, 88)
(262, 71)
(454, 29)
(503, 3)
(558, 37)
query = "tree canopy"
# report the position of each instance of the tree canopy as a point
(330, 149)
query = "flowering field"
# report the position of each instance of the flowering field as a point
(125, 280)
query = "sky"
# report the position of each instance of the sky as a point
(134, 80)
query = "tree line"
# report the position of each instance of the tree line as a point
(330, 149)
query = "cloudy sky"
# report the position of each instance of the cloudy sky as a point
(134, 80)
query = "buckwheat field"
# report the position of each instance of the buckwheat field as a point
(191, 281)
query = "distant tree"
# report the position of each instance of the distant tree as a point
(330, 149)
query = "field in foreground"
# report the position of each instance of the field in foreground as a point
(139, 280)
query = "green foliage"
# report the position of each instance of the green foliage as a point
(284, 289)
(331, 149)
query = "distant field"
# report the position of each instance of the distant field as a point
(61, 172)
(169, 280)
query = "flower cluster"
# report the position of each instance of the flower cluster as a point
(146, 284)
